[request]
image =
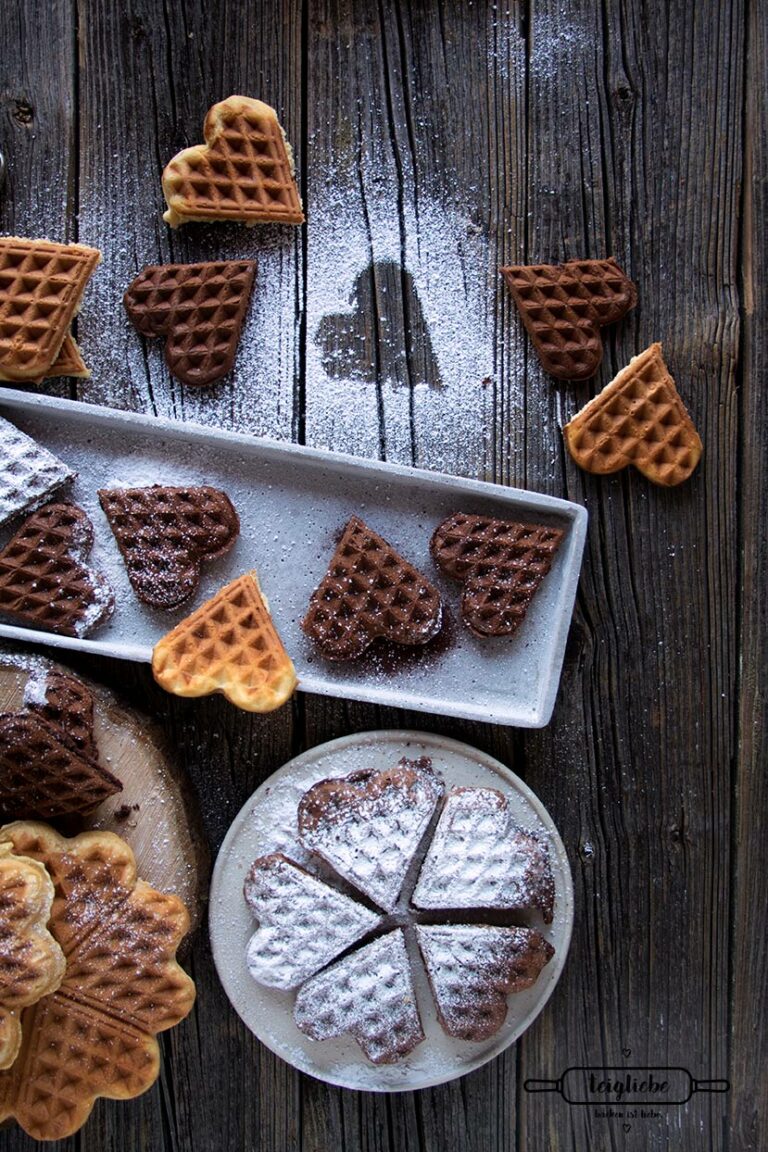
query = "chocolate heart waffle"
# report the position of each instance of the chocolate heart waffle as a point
(31, 962)
(164, 535)
(29, 473)
(41, 286)
(243, 172)
(637, 419)
(368, 994)
(564, 306)
(473, 968)
(228, 645)
(95, 1035)
(370, 592)
(44, 580)
(65, 702)
(303, 923)
(501, 565)
(199, 308)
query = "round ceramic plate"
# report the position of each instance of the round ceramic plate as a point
(267, 823)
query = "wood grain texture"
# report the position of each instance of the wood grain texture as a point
(435, 142)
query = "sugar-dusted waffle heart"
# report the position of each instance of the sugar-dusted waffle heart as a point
(29, 473)
(368, 994)
(44, 579)
(41, 286)
(564, 306)
(500, 563)
(165, 534)
(95, 1035)
(243, 172)
(228, 645)
(303, 923)
(31, 962)
(637, 419)
(473, 968)
(65, 702)
(479, 858)
(199, 308)
(370, 592)
(368, 825)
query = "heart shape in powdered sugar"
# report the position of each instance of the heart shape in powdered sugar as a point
(303, 923)
(44, 578)
(368, 825)
(479, 858)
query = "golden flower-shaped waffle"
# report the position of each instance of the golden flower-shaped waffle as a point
(31, 962)
(95, 1035)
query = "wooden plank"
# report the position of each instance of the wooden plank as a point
(748, 1115)
(630, 155)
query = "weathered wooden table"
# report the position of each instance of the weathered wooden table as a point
(435, 141)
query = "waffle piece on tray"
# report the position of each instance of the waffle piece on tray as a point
(243, 172)
(370, 592)
(199, 308)
(41, 286)
(228, 645)
(479, 858)
(29, 473)
(31, 962)
(164, 535)
(473, 968)
(368, 994)
(49, 766)
(304, 924)
(95, 1035)
(564, 306)
(637, 419)
(501, 565)
(44, 579)
(368, 825)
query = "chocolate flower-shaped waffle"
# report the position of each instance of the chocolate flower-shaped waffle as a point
(95, 1035)
(370, 827)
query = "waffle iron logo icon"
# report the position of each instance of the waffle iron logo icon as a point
(600, 1086)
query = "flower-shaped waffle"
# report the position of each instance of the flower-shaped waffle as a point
(356, 826)
(95, 1035)
(31, 962)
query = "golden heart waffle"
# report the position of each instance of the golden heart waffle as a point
(228, 645)
(95, 1035)
(501, 565)
(243, 172)
(368, 825)
(31, 962)
(479, 858)
(473, 968)
(49, 765)
(370, 592)
(164, 535)
(44, 580)
(564, 306)
(199, 308)
(41, 286)
(303, 923)
(368, 994)
(637, 419)
(29, 473)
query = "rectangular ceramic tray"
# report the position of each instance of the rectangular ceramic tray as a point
(292, 502)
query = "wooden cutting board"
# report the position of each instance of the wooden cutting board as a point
(156, 812)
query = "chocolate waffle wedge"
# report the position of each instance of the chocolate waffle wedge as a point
(44, 580)
(501, 564)
(564, 306)
(199, 308)
(165, 534)
(243, 172)
(370, 592)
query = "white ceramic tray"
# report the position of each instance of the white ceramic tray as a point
(267, 823)
(292, 502)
